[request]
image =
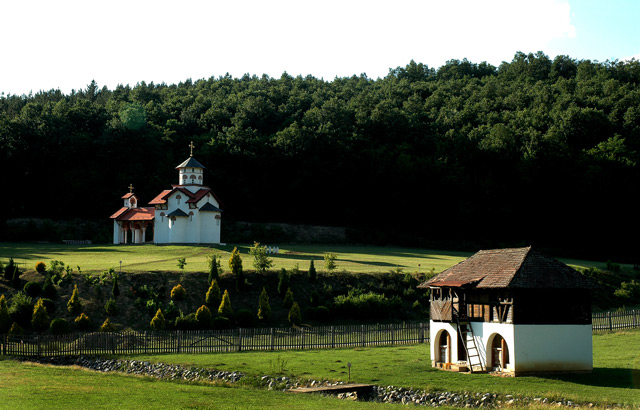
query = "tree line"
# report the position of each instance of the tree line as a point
(535, 151)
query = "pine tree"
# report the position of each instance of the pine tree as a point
(264, 308)
(82, 322)
(213, 268)
(107, 326)
(288, 299)
(40, 319)
(74, 305)
(213, 294)
(115, 290)
(158, 322)
(313, 275)
(8, 270)
(5, 318)
(235, 264)
(283, 281)
(295, 317)
(225, 309)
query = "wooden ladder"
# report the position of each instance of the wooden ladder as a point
(466, 332)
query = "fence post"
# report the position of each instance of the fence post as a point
(240, 339)
(333, 337)
(145, 342)
(421, 340)
(273, 338)
(610, 322)
(179, 340)
(363, 336)
(38, 339)
(635, 321)
(302, 330)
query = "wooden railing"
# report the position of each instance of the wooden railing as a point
(211, 341)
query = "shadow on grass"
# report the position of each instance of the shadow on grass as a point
(604, 377)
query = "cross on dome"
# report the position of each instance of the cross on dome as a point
(130, 188)
(191, 146)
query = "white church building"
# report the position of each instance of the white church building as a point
(188, 213)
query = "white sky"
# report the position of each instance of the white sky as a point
(66, 43)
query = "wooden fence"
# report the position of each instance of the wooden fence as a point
(211, 341)
(608, 321)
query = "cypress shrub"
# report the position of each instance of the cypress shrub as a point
(264, 308)
(213, 268)
(49, 305)
(5, 318)
(288, 299)
(225, 309)
(178, 292)
(40, 319)
(283, 282)
(295, 318)
(82, 322)
(235, 264)
(59, 326)
(8, 270)
(33, 289)
(16, 278)
(21, 309)
(107, 326)
(74, 305)
(213, 294)
(313, 275)
(204, 317)
(158, 322)
(111, 307)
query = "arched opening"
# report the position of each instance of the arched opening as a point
(499, 353)
(443, 347)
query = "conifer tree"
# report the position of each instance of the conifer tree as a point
(40, 319)
(283, 281)
(264, 308)
(213, 268)
(5, 318)
(204, 317)
(295, 317)
(313, 275)
(158, 322)
(74, 305)
(115, 290)
(107, 326)
(8, 270)
(288, 299)
(235, 264)
(16, 330)
(82, 321)
(16, 277)
(225, 309)
(213, 294)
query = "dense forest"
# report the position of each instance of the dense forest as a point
(535, 151)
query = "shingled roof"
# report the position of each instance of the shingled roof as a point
(511, 268)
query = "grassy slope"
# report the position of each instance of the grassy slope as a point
(615, 379)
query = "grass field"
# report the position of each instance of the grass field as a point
(97, 258)
(616, 379)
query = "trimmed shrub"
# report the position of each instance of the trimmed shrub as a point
(235, 264)
(33, 289)
(59, 326)
(111, 307)
(204, 317)
(41, 267)
(367, 306)
(188, 322)
(178, 292)
(225, 309)
(107, 326)
(214, 267)
(49, 305)
(5, 318)
(74, 305)
(221, 323)
(158, 322)
(82, 322)
(287, 302)
(264, 308)
(243, 318)
(295, 317)
(48, 288)
(213, 297)
(40, 319)
(283, 281)
(313, 275)
(16, 278)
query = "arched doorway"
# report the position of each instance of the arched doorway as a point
(443, 347)
(499, 353)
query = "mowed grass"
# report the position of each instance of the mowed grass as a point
(615, 379)
(145, 258)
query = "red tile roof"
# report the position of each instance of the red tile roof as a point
(135, 214)
(199, 195)
(127, 195)
(120, 212)
(510, 268)
(160, 199)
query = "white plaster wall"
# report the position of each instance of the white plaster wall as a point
(434, 332)
(483, 334)
(116, 232)
(549, 348)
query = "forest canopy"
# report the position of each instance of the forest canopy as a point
(535, 150)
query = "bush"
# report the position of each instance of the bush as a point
(74, 305)
(213, 297)
(288, 299)
(225, 309)
(314, 298)
(59, 326)
(107, 326)
(204, 317)
(629, 292)
(214, 267)
(49, 305)
(115, 289)
(295, 318)
(221, 323)
(158, 322)
(319, 313)
(264, 308)
(41, 267)
(16, 278)
(283, 281)
(261, 261)
(244, 318)
(178, 292)
(111, 307)
(82, 322)
(182, 262)
(21, 309)
(48, 288)
(40, 319)
(235, 264)
(16, 330)
(330, 261)
(5, 318)
(33, 289)
(8, 270)
(367, 306)
(188, 322)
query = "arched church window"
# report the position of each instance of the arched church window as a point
(190, 216)
(193, 178)
(161, 216)
(178, 198)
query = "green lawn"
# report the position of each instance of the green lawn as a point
(615, 379)
(97, 258)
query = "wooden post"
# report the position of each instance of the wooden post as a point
(333, 337)
(179, 340)
(610, 322)
(240, 339)
(38, 339)
(635, 320)
(145, 342)
(421, 333)
(273, 338)
(302, 330)
(363, 336)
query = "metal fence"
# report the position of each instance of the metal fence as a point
(623, 319)
(211, 341)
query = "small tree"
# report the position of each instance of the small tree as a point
(264, 308)
(288, 299)
(8, 270)
(295, 317)
(40, 319)
(235, 264)
(225, 309)
(74, 305)
(330, 261)
(214, 267)
(261, 261)
(111, 307)
(182, 262)
(158, 322)
(107, 326)
(178, 292)
(16, 330)
(204, 317)
(283, 281)
(213, 294)
(82, 322)
(41, 267)
(16, 277)
(5, 318)
(313, 275)
(115, 289)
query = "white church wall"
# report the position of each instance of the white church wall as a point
(484, 333)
